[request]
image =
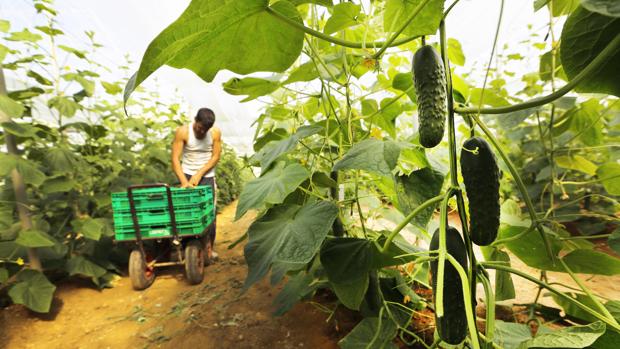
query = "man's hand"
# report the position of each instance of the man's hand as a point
(185, 184)
(195, 180)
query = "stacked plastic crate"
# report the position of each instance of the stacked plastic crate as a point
(193, 208)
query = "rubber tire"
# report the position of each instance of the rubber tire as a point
(208, 249)
(141, 277)
(194, 262)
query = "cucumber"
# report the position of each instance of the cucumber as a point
(481, 177)
(429, 80)
(452, 327)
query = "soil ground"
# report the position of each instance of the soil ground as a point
(215, 314)
(173, 314)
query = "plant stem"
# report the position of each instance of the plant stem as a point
(428, 203)
(332, 39)
(515, 174)
(460, 202)
(601, 236)
(486, 75)
(469, 313)
(594, 65)
(577, 303)
(513, 238)
(443, 223)
(587, 291)
(389, 42)
(357, 201)
(490, 315)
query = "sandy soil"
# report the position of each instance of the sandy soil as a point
(174, 314)
(214, 314)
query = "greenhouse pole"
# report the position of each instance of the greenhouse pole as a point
(21, 200)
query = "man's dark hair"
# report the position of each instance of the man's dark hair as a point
(206, 117)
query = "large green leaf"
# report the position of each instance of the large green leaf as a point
(415, 189)
(570, 337)
(455, 52)
(20, 129)
(371, 155)
(386, 117)
(33, 290)
(24, 35)
(351, 294)
(79, 265)
(10, 108)
(4, 275)
(34, 238)
(30, 172)
(270, 152)
(371, 333)
(238, 35)
(91, 228)
(614, 241)
(605, 7)
(343, 16)
(287, 234)
(530, 248)
(425, 23)
(58, 185)
(577, 163)
(586, 120)
(574, 311)
(349, 259)
(252, 87)
(588, 261)
(609, 175)
(62, 160)
(510, 335)
(609, 340)
(326, 3)
(584, 36)
(4, 25)
(271, 188)
(64, 105)
(411, 159)
(295, 289)
(402, 82)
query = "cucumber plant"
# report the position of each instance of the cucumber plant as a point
(335, 150)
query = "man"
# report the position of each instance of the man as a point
(200, 145)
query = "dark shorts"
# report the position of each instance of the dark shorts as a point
(209, 181)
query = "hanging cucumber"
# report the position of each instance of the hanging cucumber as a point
(429, 80)
(481, 177)
(452, 327)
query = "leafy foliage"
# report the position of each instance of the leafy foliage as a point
(77, 147)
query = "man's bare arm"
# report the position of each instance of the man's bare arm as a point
(177, 150)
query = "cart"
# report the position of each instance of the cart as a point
(167, 226)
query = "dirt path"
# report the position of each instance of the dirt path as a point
(173, 314)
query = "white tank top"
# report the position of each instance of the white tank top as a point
(197, 152)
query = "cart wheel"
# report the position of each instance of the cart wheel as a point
(208, 250)
(141, 276)
(194, 262)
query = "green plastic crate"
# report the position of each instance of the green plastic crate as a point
(193, 209)
(164, 230)
(152, 198)
(162, 216)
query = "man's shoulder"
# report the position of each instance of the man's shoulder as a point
(216, 131)
(181, 131)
